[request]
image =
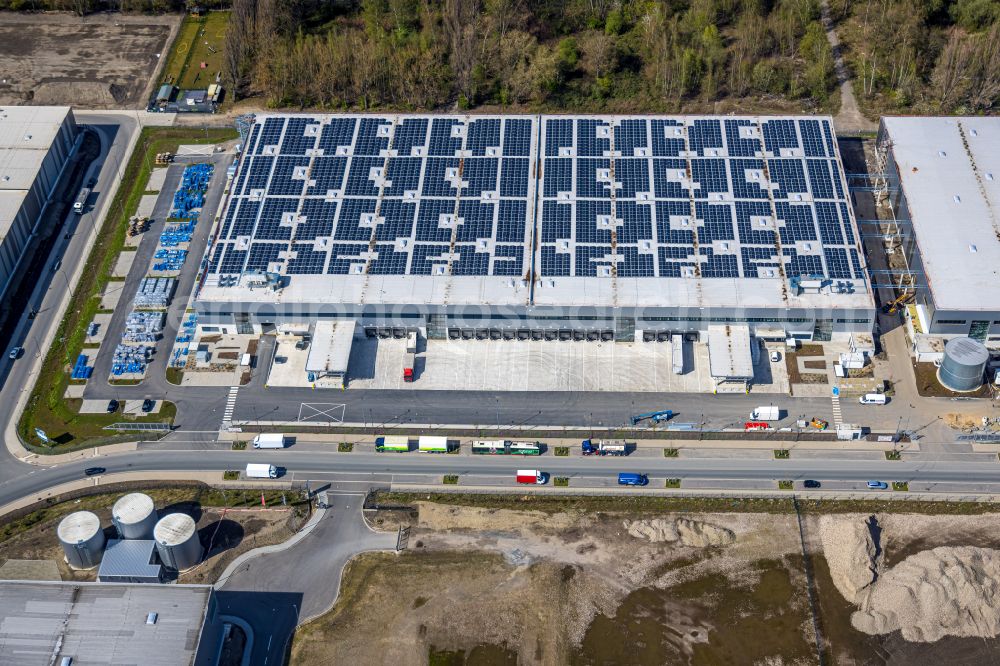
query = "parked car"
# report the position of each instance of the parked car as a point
(94, 471)
(112, 406)
(811, 483)
(775, 356)
(147, 405)
(878, 485)
(15, 353)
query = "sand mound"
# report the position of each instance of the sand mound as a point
(689, 532)
(947, 591)
(698, 534)
(850, 553)
(655, 530)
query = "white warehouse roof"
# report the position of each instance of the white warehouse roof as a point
(949, 171)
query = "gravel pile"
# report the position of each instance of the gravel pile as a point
(850, 553)
(947, 591)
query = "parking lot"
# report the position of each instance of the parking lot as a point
(523, 365)
(102, 61)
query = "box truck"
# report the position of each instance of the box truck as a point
(432, 444)
(532, 476)
(766, 413)
(261, 471)
(398, 443)
(269, 440)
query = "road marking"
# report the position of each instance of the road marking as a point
(227, 415)
(315, 411)
(838, 417)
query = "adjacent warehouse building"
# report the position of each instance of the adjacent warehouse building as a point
(539, 227)
(98, 623)
(35, 145)
(943, 180)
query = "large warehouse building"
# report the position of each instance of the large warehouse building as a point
(551, 227)
(944, 186)
(35, 145)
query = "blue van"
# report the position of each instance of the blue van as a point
(630, 479)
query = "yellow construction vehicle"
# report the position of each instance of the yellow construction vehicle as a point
(819, 424)
(892, 306)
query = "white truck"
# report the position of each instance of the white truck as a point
(269, 440)
(81, 201)
(261, 471)
(766, 413)
(432, 444)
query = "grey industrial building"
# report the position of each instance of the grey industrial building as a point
(99, 623)
(35, 145)
(539, 227)
(942, 180)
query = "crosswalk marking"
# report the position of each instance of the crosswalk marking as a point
(227, 416)
(838, 417)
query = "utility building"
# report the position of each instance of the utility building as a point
(942, 180)
(539, 227)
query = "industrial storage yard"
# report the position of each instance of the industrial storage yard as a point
(105, 61)
(579, 581)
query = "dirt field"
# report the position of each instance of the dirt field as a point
(102, 61)
(499, 586)
(226, 532)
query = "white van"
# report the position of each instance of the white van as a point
(872, 399)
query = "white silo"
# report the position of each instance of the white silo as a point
(177, 541)
(82, 539)
(134, 515)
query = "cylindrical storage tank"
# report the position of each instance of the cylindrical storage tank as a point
(82, 539)
(963, 365)
(134, 516)
(177, 541)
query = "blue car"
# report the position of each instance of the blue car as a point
(878, 485)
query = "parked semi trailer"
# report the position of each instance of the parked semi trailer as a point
(604, 447)
(432, 444)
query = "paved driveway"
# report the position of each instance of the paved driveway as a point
(312, 567)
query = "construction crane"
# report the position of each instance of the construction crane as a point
(892, 306)
(656, 417)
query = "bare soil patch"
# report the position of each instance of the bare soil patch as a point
(543, 583)
(102, 61)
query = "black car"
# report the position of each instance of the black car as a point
(94, 471)
(810, 483)
(147, 405)
(112, 406)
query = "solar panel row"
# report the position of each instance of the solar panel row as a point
(632, 197)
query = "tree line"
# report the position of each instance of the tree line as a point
(928, 56)
(583, 54)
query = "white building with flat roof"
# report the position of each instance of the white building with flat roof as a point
(35, 145)
(944, 183)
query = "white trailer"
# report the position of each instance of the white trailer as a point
(269, 440)
(261, 471)
(677, 342)
(766, 413)
(432, 444)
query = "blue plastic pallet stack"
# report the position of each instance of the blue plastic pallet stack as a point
(80, 369)
(170, 260)
(191, 194)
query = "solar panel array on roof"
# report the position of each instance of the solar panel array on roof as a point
(371, 195)
(714, 198)
(685, 197)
